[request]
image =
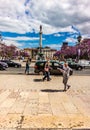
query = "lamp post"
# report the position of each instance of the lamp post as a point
(79, 38)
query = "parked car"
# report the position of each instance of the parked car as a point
(39, 67)
(11, 63)
(4, 64)
(75, 66)
(85, 63)
(2, 67)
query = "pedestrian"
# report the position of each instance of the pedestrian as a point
(30, 59)
(47, 71)
(66, 73)
(27, 67)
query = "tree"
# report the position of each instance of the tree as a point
(72, 52)
(7, 51)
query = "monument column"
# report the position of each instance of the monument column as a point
(40, 44)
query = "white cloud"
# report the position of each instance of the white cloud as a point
(10, 25)
(11, 42)
(59, 13)
(57, 35)
(86, 36)
(54, 15)
(70, 39)
(13, 9)
(17, 38)
(23, 38)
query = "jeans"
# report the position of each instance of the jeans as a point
(27, 70)
(47, 74)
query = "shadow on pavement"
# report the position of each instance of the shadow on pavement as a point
(38, 80)
(51, 90)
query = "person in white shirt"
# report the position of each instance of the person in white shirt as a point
(66, 72)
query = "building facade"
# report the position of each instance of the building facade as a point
(46, 51)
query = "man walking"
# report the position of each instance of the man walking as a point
(66, 72)
(27, 67)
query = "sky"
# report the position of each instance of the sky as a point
(61, 20)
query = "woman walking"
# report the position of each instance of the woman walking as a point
(47, 72)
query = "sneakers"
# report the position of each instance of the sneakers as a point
(64, 90)
(49, 79)
(68, 86)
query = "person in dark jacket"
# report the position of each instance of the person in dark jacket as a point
(27, 67)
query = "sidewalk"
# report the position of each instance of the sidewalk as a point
(27, 102)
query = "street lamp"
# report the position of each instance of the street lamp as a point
(79, 38)
(79, 53)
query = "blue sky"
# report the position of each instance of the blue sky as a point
(61, 20)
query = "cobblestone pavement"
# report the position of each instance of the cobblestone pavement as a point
(28, 102)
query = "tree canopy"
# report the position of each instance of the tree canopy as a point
(72, 51)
